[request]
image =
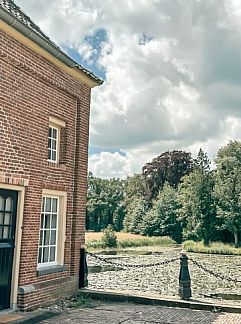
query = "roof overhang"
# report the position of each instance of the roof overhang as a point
(25, 35)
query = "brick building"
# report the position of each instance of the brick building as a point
(44, 126)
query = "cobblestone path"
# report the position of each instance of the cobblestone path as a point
(120, 313)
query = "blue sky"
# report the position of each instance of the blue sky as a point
(171, 72)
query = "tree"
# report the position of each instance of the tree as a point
(134, 216)
(161, 219)
(135, 187)
(228, 187)
(197, 212)
(168, 167)
(105, 203)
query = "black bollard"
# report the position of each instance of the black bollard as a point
(184, 278)
(83, 269)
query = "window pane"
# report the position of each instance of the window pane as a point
(1, 203)
(54, 156)
(5, 232)
(1, 218)
(48, 205)
(54, 221)
(54, 205)
(45, 254)
(7, 219)
(41, 238)
(49, 143)
(47, 221)
(54, 133)
(9, 203)
(42, 221)
(49, 154)
(40, 255)
(46, 237)
(54, 144)
(52, 254)
(53, 238)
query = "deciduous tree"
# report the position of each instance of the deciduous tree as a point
(168, 167)
(228, 188)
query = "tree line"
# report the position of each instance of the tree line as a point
(175, 195)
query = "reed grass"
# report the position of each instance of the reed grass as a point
(213, 248)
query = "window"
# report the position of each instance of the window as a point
(48, 231)
(55, 130)
(52, 229)
(53, 141)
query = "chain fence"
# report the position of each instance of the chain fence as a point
(123, 265)
(213, 273)
(166, 276)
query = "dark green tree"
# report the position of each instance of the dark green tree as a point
(228, 188)
(105, 203)
(161, 219)
(134, 215)
(198, 212)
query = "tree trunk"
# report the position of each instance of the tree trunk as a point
(235, 233)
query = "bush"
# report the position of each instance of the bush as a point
(213, 248)
(109, 237)
(94, 244)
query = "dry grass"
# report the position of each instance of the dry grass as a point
(120, 236)
(127, 240)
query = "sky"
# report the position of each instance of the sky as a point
(171, 71)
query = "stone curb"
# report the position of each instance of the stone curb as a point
(140, 299)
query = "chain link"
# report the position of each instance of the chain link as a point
(123, 265)
(211, 272)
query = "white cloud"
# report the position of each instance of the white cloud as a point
(172, 74)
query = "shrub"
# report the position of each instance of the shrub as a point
(109, 237)
(213, 248)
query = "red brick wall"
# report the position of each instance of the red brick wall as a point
(31, 90)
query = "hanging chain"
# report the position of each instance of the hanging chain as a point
(123, 265)
(211, 272)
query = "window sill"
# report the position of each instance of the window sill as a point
(50, 269)
(57, 165)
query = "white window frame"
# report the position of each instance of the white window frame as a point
(60, 227)
(56, 124)
(50, 148)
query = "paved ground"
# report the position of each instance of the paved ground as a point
(123, 313)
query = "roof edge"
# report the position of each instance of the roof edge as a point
(45, 44)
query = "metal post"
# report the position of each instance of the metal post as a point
(83, 269)
(184, 278)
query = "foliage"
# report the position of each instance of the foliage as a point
(197, 212)
(213, 248)
(175, 196)
(105, 203)
(109, 238)
(161, 219)
(168, 167)
(228, 188)
(134, 216)
(135, 187)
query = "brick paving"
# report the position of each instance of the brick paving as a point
(123, 313)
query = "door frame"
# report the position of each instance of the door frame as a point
(18, 239)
